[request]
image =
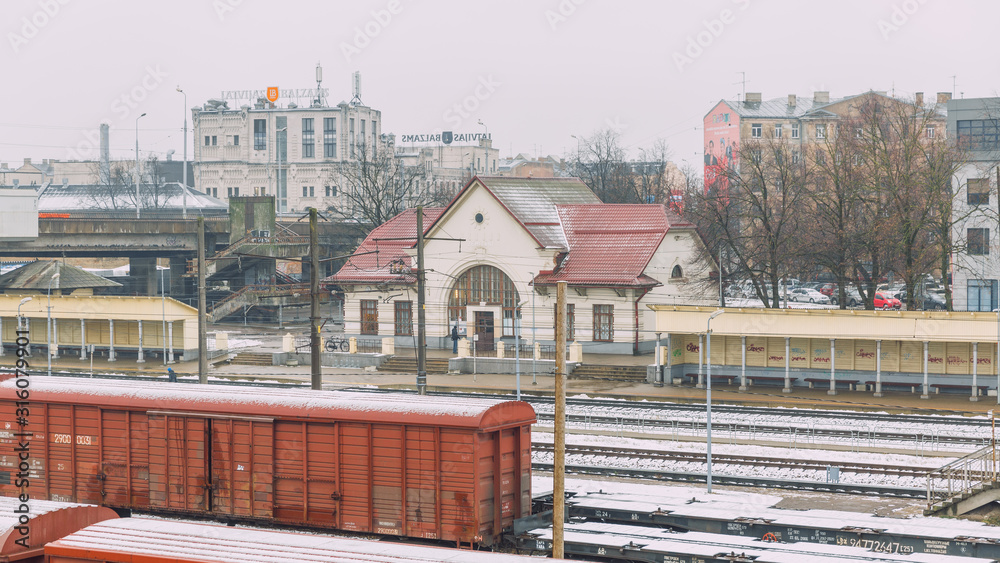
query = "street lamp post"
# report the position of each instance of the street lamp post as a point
(708, 395)
(486, 149)
(277, 149)
(138, 176)
(48, 350)
(163, 313)
(534, 340)
(517, 347)
(184, 167)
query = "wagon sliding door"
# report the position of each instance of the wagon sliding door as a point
(213, 464)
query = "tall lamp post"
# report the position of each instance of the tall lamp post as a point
(163, 313)
(517, 346)
(277, 150)
(708, 394)
(48, 350)
(184, 167)
(138, 176)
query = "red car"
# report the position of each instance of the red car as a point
(827, 289)
(886, 302)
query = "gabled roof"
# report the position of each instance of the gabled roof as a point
(37, 276)
(611, 244)
(382, 257)
(532, 202)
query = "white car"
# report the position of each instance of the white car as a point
(807, 295)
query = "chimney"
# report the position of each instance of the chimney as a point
(944, 97)
(3, 165)
(104, 168)
(821, 97)
(919, 98)
(753, 97)
(791, 100)
(28, 160)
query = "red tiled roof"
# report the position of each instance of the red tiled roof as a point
(385, 244)
(610, 244)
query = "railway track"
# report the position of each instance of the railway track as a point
(623, 423)
(738, 480)
(772, 462)
(626, 407)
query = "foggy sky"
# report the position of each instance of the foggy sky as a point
(534, 72)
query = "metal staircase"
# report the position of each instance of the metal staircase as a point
(964, 484)
(251, 295)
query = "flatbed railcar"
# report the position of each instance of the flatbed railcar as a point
(129, 540)
(457, 470)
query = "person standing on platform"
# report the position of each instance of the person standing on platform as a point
(454, 338)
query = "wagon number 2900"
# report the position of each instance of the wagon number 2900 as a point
(67, 439)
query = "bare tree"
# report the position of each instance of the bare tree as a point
(901, 175)
(376, 186)
(600, 163)
(754, 214)
(115, 188)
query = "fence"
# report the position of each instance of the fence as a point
(369, 345)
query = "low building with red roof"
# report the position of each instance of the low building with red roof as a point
(499, 248)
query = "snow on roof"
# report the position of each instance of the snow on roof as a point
(222, 544)
(38, 275)
(533, 201)
(80, 199)
(47, 521)
(372, 262)
(343, 405)
(609, 244)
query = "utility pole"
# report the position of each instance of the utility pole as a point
(421, 318)
(559, 463)
(202, 317)
(314, 339)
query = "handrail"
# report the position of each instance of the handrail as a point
(951, 481)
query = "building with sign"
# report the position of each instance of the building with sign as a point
(448, 160)
(800, 122)
(281, 149)
(496, 252)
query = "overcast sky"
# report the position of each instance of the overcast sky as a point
(535, 72)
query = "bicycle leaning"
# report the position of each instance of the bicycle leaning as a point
(337, 344)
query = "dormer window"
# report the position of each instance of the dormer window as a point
(677, 272)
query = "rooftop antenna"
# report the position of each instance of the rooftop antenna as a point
(318, 102)
(954, 82)
(357, 88)
(743, 81)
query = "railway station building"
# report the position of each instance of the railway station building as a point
(495, 253)
(57, 305)
(917, 351)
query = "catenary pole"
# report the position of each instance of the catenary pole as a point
(559, 463)
(316, 369)
(202, 316)
(421, 318)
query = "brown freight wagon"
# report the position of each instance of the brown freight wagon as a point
(431, 467)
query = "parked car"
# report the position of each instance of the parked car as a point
(931, 302)
(852, 297)
(885, 301)
(806, 295)
(828, 289)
